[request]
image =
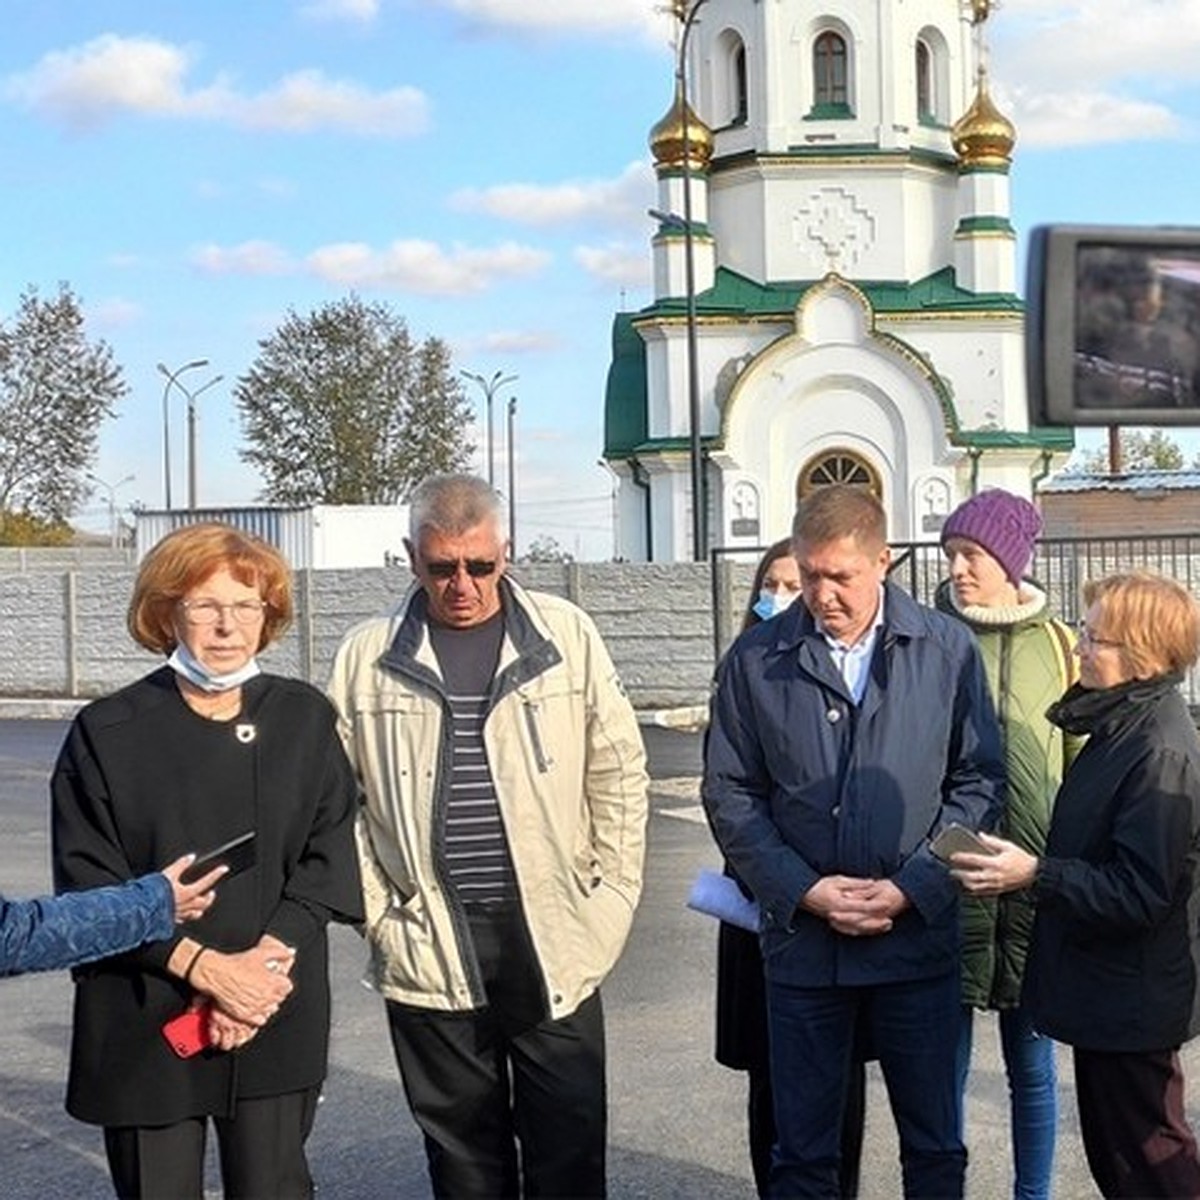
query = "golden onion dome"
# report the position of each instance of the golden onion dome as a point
(666, 138)
(980, 11)
(983, 136)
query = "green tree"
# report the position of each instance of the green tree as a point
(340, 407)
(22, 529)
(55, 389)
(545, 549)
(1141, 450)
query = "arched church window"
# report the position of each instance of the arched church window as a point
(838, 466)
(931, 64)
(831, 77)
(731, 92)
(741, 91)
(926, 111)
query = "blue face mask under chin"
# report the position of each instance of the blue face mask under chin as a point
(771, 604)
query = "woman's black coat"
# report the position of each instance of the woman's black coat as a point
(134, 789)
(1114, 960)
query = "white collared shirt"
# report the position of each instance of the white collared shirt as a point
(854, 662)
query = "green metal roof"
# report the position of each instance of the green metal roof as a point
(625, 397)
(1040, 437)
(734, 295)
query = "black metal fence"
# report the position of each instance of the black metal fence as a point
(1061, 566)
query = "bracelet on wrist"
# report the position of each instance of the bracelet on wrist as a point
(187, 975)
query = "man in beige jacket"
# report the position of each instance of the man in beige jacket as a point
(502, 839)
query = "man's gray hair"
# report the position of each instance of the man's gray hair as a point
(453, 504)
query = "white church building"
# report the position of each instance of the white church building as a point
(854, 314)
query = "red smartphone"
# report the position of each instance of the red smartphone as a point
(187, 1034)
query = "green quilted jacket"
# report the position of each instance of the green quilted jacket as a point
(1027, 655)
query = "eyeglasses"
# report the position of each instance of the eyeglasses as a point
(1088, 638)
(477, 568)
(208, 612)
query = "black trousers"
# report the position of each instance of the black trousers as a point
(484, 1083)
(262, 1153)
(760, 1108)
(1135, 1130)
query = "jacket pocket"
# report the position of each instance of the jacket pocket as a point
(533, 727)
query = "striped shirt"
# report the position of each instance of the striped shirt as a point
(474, 840)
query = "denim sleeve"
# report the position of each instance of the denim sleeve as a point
(52, 932)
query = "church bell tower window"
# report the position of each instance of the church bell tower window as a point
(831, 77)
(926, 112)
(741, 92)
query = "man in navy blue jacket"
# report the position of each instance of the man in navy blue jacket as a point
(845, 733)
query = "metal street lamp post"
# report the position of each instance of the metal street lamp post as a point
(686, 14)
(171, 377)
(512, 477)
(191, 433)
(111, 489)
(490, 387)
(616, 510)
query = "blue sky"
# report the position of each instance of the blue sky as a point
(195, 170)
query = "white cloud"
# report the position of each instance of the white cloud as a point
(113, 313)
(275, 187)
(362, 11)
(1088, 118)
(85, 86)
(307, 101)
(513, 342)
(248, 258)
(1095, 71)
(425, 268)
(618, 263)
(568, 16)
(1095, 42)
(420, 267)
(619, 201)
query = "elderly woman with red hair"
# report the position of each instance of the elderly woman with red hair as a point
(1114, 958)
(204, 750)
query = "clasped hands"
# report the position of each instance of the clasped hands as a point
(245, 989)
(855, 907)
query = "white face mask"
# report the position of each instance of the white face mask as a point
(770, 604)
(183, 662)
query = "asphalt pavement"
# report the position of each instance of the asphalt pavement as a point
(676, 1118)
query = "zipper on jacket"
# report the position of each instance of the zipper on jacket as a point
(535, 736)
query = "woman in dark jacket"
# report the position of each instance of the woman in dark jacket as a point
(1114, 960)
(741, 991)
(198, 752)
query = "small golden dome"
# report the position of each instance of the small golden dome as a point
(980, 11)
(666, 138)
(983, 136)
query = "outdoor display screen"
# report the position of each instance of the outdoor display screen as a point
(1137, 327)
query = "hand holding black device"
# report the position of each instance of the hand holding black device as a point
(237, 854)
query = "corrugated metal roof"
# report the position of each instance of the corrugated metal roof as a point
(1130, 481)
(286, 527)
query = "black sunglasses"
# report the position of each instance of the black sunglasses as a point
(477, 568)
